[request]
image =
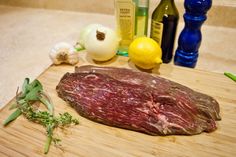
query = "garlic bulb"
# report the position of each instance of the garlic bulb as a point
(64, 53)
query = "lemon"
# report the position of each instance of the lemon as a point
(145, 53)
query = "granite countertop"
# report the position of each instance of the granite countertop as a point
(27, 35)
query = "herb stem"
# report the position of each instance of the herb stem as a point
(48, 143)
(48, 105)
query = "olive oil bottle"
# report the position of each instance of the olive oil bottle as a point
(163, 27)
(125, 23)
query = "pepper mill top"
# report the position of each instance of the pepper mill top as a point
(197, 7)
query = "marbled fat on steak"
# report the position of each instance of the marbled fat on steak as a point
(138, 101)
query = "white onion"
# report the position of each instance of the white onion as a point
(102, 43)
(84, 33)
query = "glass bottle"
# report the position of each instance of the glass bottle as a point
(163, 27)
(141, 17)
(125, 21)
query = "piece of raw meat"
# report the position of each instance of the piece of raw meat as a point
(204, 102)
(138, 101)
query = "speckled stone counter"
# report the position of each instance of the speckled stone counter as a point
(27, 35)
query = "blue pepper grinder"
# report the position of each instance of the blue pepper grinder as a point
(190, 38)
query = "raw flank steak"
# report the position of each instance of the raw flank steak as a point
(138, 101)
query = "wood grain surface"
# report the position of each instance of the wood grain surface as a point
(90, 139)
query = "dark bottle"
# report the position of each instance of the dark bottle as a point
(163, 28)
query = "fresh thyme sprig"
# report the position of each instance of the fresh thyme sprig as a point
(32, 93)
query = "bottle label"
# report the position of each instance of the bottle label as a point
(125, 14)
(157, 31)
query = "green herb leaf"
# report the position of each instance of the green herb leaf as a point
(25, 84)
(34, 84)
(13, 106)
(231, 76)
(33, 94)
(12, 117)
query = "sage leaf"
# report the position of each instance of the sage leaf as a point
(12, 117)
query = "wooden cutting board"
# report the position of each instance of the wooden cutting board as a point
(90, 139)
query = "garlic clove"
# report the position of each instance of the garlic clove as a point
(73, 58)
(53, 57)
(63, 53)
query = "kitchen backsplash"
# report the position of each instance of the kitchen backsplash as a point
(223, 12)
